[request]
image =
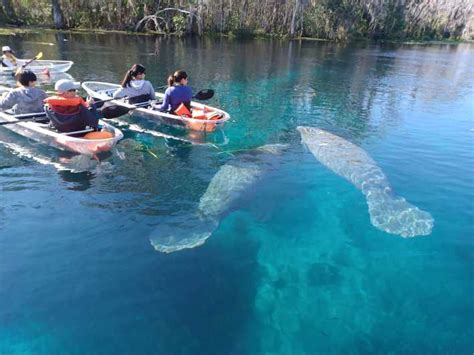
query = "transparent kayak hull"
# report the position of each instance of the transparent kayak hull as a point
(40, 66)
(42, 133)
(104, 91)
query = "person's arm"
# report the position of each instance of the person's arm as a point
(151, 92)
(119, 93)
(8, 101)
(166, 101)
(190, 93)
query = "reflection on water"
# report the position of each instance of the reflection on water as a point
(295, 265)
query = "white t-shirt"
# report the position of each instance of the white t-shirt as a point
(8, 62)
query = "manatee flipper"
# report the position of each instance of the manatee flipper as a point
(388, 212)
(397, 216)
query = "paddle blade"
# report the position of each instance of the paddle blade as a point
(39, 55)
(205, 94)
(114, 111)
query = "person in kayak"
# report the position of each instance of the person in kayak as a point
(177, 93)
(68, 111)
(135, 87)
(8, 59)
(26, 98)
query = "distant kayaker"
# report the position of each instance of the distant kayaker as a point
(68, 111)
(26, 98)
(177, 93)
(8, 59)
(135, 87)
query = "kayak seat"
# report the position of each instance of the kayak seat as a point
(139, 100)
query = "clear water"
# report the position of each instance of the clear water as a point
(295, 266)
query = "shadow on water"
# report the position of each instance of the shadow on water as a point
(209, 297)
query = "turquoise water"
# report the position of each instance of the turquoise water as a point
(295, 265)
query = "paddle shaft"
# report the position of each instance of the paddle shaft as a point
(19, 121)
(38, 56)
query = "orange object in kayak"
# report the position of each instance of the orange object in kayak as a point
(182, 110)
(99, 135)
(206, 114)
(199, 114)
(204, 126)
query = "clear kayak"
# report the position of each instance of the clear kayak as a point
(104, 91)
(42, 79)
(40, 66)
(37, 128)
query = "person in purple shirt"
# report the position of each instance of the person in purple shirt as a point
(177, 93)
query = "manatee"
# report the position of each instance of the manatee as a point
(228, 185)
(387, 211)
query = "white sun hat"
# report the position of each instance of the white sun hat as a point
(64, 85)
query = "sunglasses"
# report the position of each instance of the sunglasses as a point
(72, 90)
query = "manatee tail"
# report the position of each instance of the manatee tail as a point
(397, 216)
(180, 232)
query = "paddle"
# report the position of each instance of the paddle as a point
(24, 120)
(38, 56)
(118, 110)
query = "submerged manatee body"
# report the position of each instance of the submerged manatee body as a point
(226, 187)
(388, 212)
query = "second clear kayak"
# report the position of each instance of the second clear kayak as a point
(104, 91)
(40, 66)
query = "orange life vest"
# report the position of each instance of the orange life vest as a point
(182, 110)
(65, 105)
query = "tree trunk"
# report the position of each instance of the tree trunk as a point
(58, 17)
(10, 12)
(293, 18)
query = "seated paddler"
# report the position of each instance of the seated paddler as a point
(8, 59)
(177, 93)
(135, 87)
(26, 98)
(68, 111)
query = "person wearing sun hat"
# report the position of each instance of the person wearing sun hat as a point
(8, 59)
(68, 111)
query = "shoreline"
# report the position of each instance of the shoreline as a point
(13, 31)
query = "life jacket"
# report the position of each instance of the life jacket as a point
(182, 110)
(63, 105)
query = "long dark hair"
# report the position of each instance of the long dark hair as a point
(177, 77)
(135, 70)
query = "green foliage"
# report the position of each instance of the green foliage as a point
(325, 19)
(179, 22)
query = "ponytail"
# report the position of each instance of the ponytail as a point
(171, 80)
(135, 70)
(177, 77)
